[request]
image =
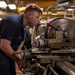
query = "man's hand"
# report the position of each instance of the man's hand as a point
(22, 65)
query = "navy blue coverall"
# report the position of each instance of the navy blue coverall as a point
(11, 28)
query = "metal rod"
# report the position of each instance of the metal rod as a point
(64, 69)
(53, 71)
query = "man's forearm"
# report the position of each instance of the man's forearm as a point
(10, 53)
(8, 50)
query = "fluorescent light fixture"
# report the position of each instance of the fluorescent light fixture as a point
(0, 19)
(42, 9)
(12, 6)
(3, 4)
(54, 13)
(72, 6)
(63, 4)
(69, 9)
(44, 12)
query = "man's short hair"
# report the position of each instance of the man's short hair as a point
(32, 7)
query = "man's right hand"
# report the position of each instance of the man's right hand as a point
(22, 65)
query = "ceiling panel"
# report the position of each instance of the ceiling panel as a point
(35, 0)
(47, 5)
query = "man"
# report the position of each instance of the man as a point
(12, 30)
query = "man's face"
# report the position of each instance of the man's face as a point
(34, 19)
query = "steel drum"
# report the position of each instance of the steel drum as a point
(64, 24)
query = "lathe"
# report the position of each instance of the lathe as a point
(53, 49)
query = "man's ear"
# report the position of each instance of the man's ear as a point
(29, 15)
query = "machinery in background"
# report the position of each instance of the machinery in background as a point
(53, 49)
